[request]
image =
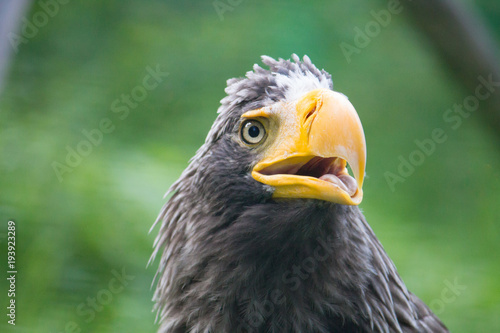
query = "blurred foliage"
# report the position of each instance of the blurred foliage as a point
(441, 224)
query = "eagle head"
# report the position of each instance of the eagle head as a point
(281, 133)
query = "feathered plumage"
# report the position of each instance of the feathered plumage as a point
(236, 259)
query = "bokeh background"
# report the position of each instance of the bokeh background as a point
(78, 229)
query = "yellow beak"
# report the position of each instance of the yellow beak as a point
(312, 140)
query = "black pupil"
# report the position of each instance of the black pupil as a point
(254, 131)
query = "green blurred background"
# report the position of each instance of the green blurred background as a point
(440, 226)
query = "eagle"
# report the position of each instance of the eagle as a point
(262, 231)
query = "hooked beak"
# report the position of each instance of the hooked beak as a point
(315, 138)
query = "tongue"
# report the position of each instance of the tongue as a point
(344, 181)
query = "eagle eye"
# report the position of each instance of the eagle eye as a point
(252, 132)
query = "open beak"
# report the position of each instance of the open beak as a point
(316, 137)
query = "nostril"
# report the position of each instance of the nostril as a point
(310, 113)
(313, 107)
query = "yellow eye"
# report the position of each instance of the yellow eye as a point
(252, 132)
